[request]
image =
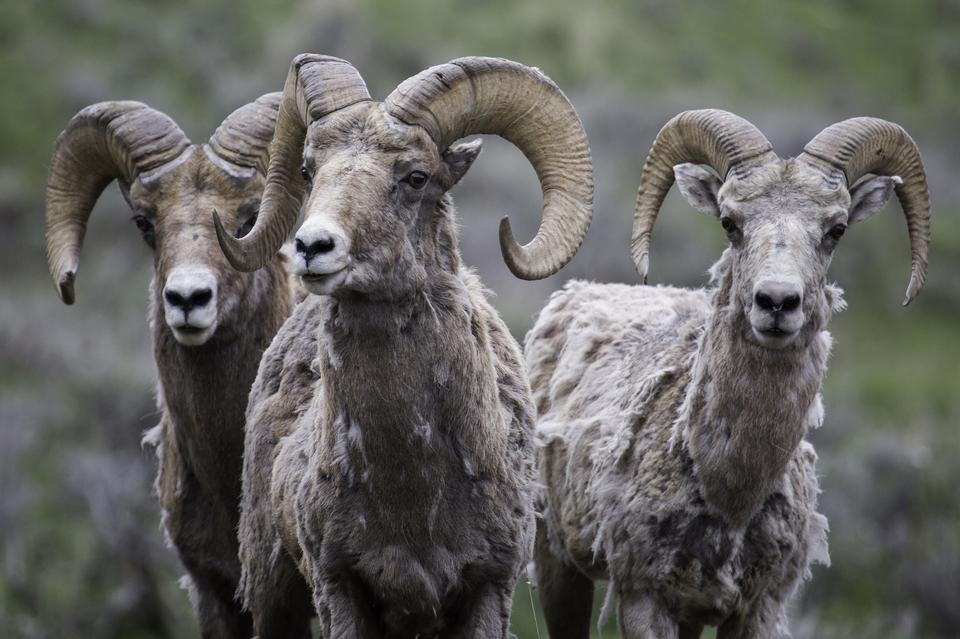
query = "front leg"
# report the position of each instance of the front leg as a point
(760, 622)
(643, 617)
(344, 611)
(488, 614)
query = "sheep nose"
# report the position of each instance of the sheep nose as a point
(322, 247)
(187, 299)
(777, 296)
(323, 243)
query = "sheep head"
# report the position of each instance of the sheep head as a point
(371, 224)
(375, 174)
(784, 217)
(171, 185)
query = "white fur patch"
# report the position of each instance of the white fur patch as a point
(152, 437)
(817, 533)
(815, 414)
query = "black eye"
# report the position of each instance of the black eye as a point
(146, 229)
(305, 172)
(417, 179)
(837, 231)
(142, 223)
(728, 225)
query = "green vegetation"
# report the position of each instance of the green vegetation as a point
(83, 554)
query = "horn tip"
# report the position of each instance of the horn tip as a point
(65, 287)
(913, 289)
(643, 267)
(514, 256)
(509, 247)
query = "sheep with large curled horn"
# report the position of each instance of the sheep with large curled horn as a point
(675, 462)
(389, 454)
(210, 324)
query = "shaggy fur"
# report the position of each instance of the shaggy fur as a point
(674, 462)
(202, 390)
(388, 455)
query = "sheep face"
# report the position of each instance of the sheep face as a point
(193, 282)
(371, 221)
(784, 220)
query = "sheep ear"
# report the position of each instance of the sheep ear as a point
(459, 157)
(699, 186)
(869, 196)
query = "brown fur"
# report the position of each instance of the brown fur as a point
(388, 456)
(202, 390)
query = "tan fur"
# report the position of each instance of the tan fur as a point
(389, 456)
(674, 459)
(203, 389)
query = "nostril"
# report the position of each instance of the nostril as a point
(790, 303)
(324, 245)
(200, 298)
(196, 299)
(173, 298)
(318, 247)
(764, 301)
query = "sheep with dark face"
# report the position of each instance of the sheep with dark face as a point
(673, 420)
(389, 447)
(210, 324)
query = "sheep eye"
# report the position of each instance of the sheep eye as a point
(146, 229)
(305, 172)
(142, 223)
(417, 179)
(728, 225)
(837, 231)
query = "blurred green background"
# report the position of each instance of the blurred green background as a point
(82, 551)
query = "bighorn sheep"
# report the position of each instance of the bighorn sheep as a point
(210, 324)
(389, 449)
(673, 420)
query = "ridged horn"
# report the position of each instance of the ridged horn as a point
(477, 95)
(243, 138)
(859, 146)
(103, 142)
(719, 139)
(316, 85)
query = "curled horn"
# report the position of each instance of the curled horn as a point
(316, 86)
(243, 138)
(104, 142)
(859, 146)
(719, 139)
(478, 95)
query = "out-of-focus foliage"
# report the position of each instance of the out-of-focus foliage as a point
(82, 551)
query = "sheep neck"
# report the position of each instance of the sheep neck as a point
(407, 386)
(204, 388)
(747, 410)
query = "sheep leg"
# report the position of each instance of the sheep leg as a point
(218, 614)
(488, 616)
(566, 594)
(690, 631)
(344, 610)
(212, 580)
(759, 622)
(642, 617)
(284, 609)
